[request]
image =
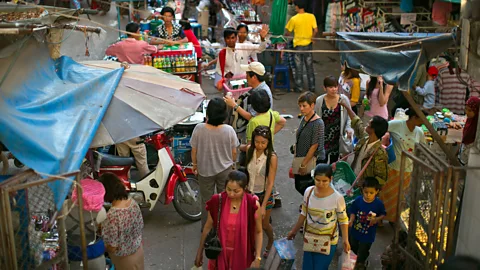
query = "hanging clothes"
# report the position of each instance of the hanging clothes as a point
(278, 22)
(452, 91)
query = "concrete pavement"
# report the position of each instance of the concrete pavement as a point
(170, 242)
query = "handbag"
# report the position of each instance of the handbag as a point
(212, 245)
(318, 243)
(297, 161)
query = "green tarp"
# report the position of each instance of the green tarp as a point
(278, 19)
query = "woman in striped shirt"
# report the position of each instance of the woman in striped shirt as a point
(326, 207)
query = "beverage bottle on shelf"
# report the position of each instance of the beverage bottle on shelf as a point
(160, 63)
(168, 64)
(154, 64)
(174, 64)
(182, 64)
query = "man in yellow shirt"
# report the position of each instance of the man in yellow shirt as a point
(304, 27)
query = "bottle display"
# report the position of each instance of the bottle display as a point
(174, 64)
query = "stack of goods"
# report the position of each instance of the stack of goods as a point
(173, 64)
(44, 241)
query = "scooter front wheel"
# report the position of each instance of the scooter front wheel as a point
(187, 200)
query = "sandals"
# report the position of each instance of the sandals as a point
(265, 253)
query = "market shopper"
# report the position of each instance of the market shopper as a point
(214, 151)
(265, 116)
(304, 28)
(366, 212)
(351, 86)
(122, 231)
(262, 165)
(131, 50)
(170, 32)
(338, 133)
(240, 229)
(369, 143)
(256, 80)
(323, 211)
(309, 142)
(378, 95)
(231, 58)
(404, 134)
(244, 44)
(470, 130)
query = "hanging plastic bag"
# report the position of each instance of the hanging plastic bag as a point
(196, 268)
(347, 261)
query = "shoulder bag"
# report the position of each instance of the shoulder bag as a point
(297, 161)
(212, 245)
(318, 243)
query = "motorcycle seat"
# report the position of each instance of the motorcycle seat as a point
(112, 160)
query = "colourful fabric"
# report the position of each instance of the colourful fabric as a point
(93, 193)
(302, 25)
(263, 120)
(193, 39)
(470, 129)
(231, 220)
(245, 231)
(375, 108)
(323, 213)
(331, 119)
(389, 193)
(441, 12)
(364, 212)
(131, 50)
(123, 229)
(270, 202)
(452, 92)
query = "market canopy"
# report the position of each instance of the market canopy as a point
(395, 56)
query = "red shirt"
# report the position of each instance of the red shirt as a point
(192, 38)
(131, 50)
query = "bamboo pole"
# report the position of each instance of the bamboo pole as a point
(454, 161)
(82, 222)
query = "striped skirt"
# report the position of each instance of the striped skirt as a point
(389, 193)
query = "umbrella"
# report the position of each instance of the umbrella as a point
(146, 100)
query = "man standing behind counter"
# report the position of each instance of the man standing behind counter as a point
(131, 50)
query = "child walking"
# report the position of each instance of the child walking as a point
(365, 214)
(262, 167)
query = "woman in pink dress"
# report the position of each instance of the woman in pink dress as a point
(240, 229)
(378, 95)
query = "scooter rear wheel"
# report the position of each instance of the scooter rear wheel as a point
(184, 201)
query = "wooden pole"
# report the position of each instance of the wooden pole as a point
(451, 156)
(82, 224)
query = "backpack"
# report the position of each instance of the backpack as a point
(239, 123)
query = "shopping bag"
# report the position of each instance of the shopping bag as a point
(347, 261)
(196, 268)
(281, 256)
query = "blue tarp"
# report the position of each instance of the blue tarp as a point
(396, 65)
(50, 110)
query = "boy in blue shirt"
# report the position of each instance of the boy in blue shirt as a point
(365, 213)
(428, 90)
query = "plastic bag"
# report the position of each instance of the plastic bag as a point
(196, 268)
(347, 261)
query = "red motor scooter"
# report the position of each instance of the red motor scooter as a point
(180, 188)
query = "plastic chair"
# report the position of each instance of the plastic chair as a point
(197, 30)
(281, 77)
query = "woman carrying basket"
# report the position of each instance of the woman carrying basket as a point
(369, 143)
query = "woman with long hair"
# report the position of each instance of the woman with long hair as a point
(378, 95)
(240, 228)
(350, 84)
(122, 231)
(262, 168)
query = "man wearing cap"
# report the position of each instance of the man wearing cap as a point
(428, 90)
(255, 79)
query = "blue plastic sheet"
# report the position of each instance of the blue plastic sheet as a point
(395, 64)
(50, 110)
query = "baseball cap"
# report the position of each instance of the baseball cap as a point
(432, 71)
(256, 67)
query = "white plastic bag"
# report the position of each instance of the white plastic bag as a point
(347, 261)
(196, 268)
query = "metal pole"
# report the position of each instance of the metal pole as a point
(82, 222)
(433, 132)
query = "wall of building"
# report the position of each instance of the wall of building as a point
(470, 59)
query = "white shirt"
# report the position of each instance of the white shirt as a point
(240, 56)
(257, 170)
(253, 49)
(404, 139)
(361, 156)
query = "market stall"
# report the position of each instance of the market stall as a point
(178, 60)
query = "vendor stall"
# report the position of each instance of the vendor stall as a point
(178, 60)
